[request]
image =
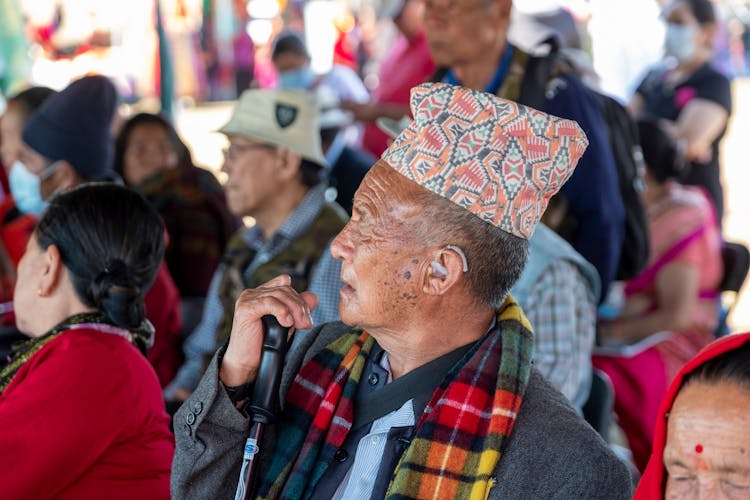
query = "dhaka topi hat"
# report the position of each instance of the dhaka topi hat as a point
(75, 125)
(284, 118)
(498, 159)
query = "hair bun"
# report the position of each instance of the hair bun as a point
(114, 294)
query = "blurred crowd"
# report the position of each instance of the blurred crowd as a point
(622, 287)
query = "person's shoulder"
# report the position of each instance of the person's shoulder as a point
(709, 72)
(550, 436)
(691, 198)
(107, 341)
(343, 72)
(91, 354)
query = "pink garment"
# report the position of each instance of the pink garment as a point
(407, 64)
(683, 229)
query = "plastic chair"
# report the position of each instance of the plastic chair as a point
(736, 259)
(599, 408)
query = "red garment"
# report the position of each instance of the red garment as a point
(84, 418)
(653, 480)
(16, 231)
(162, 300)
(682, 229)
(163, 310)
(407, 64)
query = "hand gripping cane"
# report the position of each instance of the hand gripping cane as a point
(264, 405)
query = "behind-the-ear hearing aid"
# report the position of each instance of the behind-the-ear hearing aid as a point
(439, 269)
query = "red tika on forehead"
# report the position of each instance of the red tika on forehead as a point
(466, 145)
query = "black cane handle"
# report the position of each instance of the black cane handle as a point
(265, 400)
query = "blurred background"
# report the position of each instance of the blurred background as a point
(190, 59)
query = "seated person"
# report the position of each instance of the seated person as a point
(558, 290)
(701, 442)
(21, 203)
(406, 63)
(347, 165)
(292, 63)
(676, 293)
(436, 335)
(273, 166)
(23, 185)
(67, 142)
(81, 411)
(152, 160)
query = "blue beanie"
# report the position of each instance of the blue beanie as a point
(74, 126)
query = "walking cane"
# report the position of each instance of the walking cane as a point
(264, 404)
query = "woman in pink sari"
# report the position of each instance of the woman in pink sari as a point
(671, 308)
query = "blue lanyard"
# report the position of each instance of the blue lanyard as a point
(497, 79)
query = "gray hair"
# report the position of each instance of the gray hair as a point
(496, 258)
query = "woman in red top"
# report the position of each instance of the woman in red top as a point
(81, 413)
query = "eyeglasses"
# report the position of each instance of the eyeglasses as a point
(234, 150)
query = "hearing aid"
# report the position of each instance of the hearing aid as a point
(439, 269)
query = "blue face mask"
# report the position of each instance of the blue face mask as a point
(302, 78)
(24, 186)
(679, 42)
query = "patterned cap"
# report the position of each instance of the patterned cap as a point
(498, 159)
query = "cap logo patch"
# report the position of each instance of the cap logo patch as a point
(285, 114)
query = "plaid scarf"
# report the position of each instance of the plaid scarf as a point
(141, 337)
(459, 439)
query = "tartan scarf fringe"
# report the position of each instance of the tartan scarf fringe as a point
(459, 438)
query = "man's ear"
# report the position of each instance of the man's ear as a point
(290, 163)
(443, 272)
(65, 177)
(52, 269)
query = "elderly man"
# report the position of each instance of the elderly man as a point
(468, 41)
(432, 394)
(273, 166)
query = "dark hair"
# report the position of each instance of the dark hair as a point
(123, 138)
(30, 99)
(310, 172)
(289, 42)
(732, 366)
(112, 243)
(660, 153)
(328, 135)
(703, 10)
(496, 258)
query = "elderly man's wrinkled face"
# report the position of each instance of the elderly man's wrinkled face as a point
(253, 180)
(460, 31)
(382, 253)
(708, 444)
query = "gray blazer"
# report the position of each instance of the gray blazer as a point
(552, 452)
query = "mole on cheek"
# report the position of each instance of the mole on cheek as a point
(407, 275)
